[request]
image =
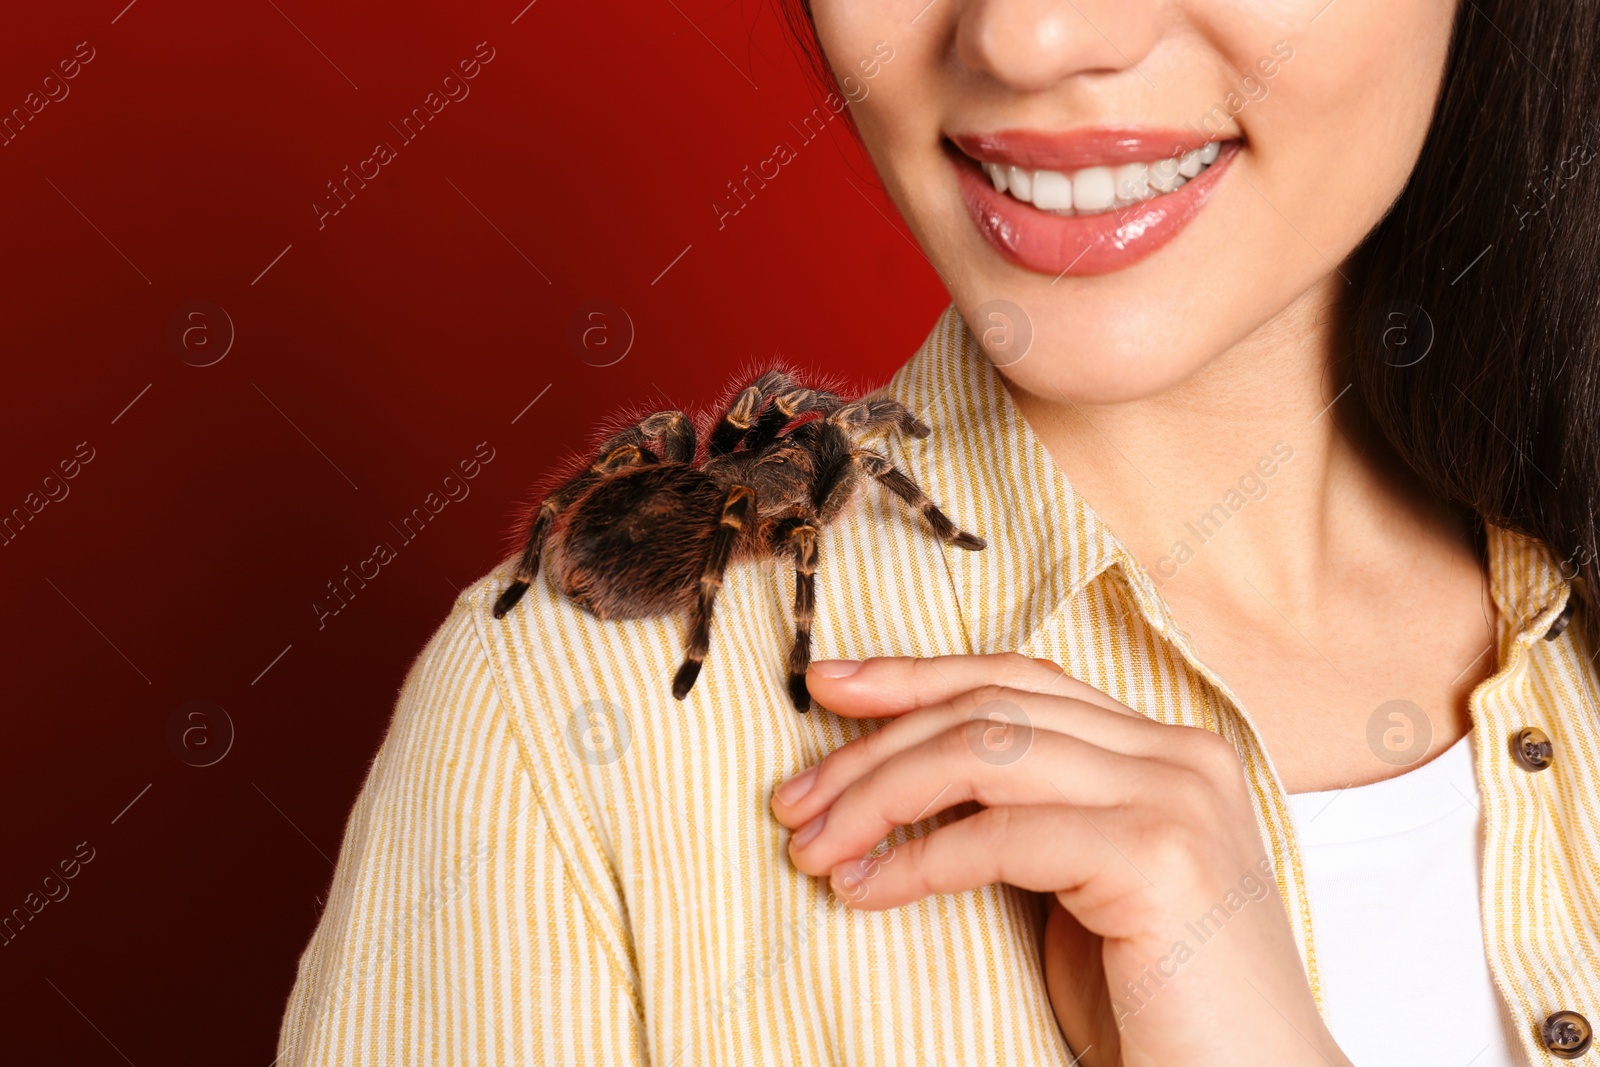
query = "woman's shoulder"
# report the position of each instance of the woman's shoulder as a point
(556, 666)
(876, 569)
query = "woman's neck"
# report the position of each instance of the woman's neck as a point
(1255, 471)
(1310, 569)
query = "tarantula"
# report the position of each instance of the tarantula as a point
(644, 530)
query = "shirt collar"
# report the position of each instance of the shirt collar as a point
(1526, 582)
(987, 470)
(1046, 543)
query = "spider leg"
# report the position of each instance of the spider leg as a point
(738, 508)
(799, 538)
(870, 415)
(674, 430)
(892, 478)
(837, 476)
(766, 428)
(740, 417)
(753, 422)
(626, 449)
(786, 406)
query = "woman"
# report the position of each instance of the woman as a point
(1294, 767)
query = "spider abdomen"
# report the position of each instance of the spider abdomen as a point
(635, 544)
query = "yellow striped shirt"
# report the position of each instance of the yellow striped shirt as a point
(554, 862)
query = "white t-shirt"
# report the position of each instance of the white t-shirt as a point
(1392, 871)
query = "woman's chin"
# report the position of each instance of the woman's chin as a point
(1091, 375)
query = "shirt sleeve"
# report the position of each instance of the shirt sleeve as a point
(455, 931)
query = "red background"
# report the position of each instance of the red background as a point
(368, 360)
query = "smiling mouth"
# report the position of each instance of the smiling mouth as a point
(1088, 201)
(1094, 190)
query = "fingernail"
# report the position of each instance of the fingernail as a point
(804, 835)
(836, 668)
(846, 878)
(796, 787)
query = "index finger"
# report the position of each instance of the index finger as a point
(886, 686)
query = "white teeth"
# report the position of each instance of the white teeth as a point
(1132, 181)
(1021, 183)
(1095, 189)
(1052, 190)
(1164, 175)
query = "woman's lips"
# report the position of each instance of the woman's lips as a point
(1098, 146)
(1081, 244)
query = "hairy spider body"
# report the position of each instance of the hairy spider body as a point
(644, 530)
(659, 519)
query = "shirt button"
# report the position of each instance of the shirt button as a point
(1560, 625)
(1533, 749)
(1567, 1035)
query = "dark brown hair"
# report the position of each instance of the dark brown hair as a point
(1472, 320)
(1493, 252)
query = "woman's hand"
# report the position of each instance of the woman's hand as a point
(1169, 946)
